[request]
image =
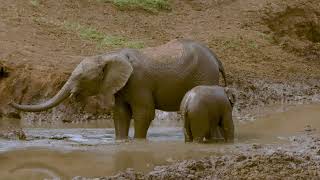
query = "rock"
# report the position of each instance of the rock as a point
(190, 176)
(3, 72)
(240, 158)
(67, 120)
(13, 114)
(307, 128)
(13, 134)
(256, 146)
(59, 137)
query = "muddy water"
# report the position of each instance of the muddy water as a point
(85, 155)
(92, 152)
(278, 122)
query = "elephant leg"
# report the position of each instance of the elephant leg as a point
(122, 118)
(228, 127)
(209, 136)
(142, 118)
(143, 114)
(217, 132)
(187, 131)
(200, 126)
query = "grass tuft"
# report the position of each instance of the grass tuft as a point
(147, 5)
(102, 39)
(34, 3)
(135, 44)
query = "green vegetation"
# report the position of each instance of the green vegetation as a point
(266, 37)
(34, 2)
(116, 41)
(85, 32)
(148, 5)
(252, 44)
(102, 39)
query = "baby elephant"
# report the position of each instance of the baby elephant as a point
(206, 110)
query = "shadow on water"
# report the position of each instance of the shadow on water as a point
(93, 152)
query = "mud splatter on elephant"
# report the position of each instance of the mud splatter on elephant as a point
(140, 81)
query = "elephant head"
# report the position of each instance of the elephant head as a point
(102, 74)
(231, 94)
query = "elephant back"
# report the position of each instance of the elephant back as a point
(168, 53)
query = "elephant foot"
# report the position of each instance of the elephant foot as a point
(140, 140)
(121, 138)
(199, 140)
(188, 140)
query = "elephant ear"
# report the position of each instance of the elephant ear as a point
(117, 72)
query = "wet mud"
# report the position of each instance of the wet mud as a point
(297, 160)
(271, 141)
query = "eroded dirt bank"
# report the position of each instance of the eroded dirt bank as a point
(269, 48)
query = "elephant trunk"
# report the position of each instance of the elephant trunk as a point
(64, 93)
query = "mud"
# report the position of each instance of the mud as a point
(246, 162)
(296, 27)
(275, 144)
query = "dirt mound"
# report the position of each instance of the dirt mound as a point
(296, 27)
(297, 23)
(277, 165)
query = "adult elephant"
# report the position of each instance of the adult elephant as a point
(140, 81)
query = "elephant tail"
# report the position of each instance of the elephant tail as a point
(183, 111)
(223, 73)
(184, 106)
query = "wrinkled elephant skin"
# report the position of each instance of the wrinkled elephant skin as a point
(140, 81)
(207, 113)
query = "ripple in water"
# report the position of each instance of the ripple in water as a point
(73, 138)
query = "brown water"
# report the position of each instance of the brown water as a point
(66, 153)
(277, 124)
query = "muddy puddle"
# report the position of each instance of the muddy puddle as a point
(279, 122)
(93, 152)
